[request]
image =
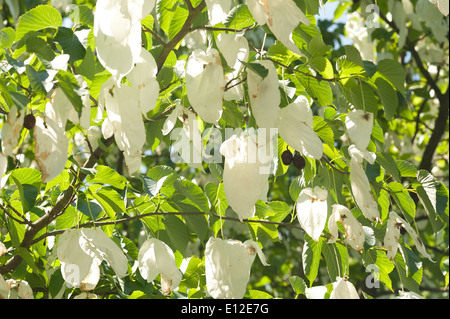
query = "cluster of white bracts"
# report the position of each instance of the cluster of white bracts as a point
(227, 262)
(359, 126)
(117, 31)
(392, 236)
(15, 289)
(342, 289)
(51, 143)
(354, 234)
(187, 141)
(155, 258)
(235, 50)
(227, 266)
(81, 251)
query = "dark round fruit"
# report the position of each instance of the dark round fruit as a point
(286, 157)
(29, 121)
(299, 161)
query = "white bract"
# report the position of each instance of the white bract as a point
(432, 16)
(295, 126)
(408, 295)
(60, 109)
(81, 252)
(235, 50)
(217, 10)
(124, 121)
(392, 235)
(343, 289)
(312, 210)
(155, 258)
(117, 32)
(281, 16)
(245, 176)
(3, 249)
(227, 266)
(354, 233)
(3, 166)
(205, 84)
(51, 148)
(15, 289)
(143, 77)
(361, 190)
(442, 5)
(359, 126)
(264, 95)
(11, 130)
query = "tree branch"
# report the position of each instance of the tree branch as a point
(61, 204)
(441, 120)
(169, 46)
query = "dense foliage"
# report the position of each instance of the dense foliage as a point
(128, 130)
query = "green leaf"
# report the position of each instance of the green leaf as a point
(7, 37)
(257, 68)
(239, 18)
(69, 85)
(109, 199)
(28, 194)
(311, 258)
(392, 72)
(335, 260)
(353, 55)
(165, 10)
(348, 69)
(388, 97)
(363, 97)
(383, 266)
(389, 164)
(323, 130)
(316, 46)
(403, 199)
(28, 258)
(56, 283)
(320, 91)
(257, 294)
(39, 46)
(89, 208)
(177, 233)
(82, 15)
(298, 284)
(427, 191)
(406, 169)
(38, 18)
(106, 175)
(37, 79)
(70, 44)
(409, 267)
(27, 176)
(193, 193)
(178, 19)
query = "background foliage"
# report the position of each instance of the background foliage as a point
(407, 91)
